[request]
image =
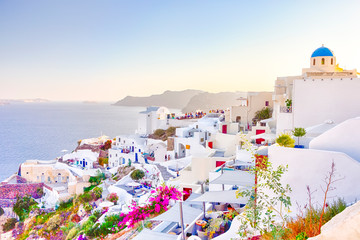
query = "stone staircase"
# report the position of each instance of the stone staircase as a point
(164, 173)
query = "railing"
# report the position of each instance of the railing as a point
(285, 109)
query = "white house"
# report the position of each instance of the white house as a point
(153, 118)
(82, 158)
(323, 92)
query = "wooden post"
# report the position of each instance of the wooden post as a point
(182, 221)
(203, 191)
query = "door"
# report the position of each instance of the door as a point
(219, 163)
(259, 140)
(224, 129)
(187, 193)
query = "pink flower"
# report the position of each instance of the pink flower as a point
(157, 208)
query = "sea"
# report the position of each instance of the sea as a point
(45, 130)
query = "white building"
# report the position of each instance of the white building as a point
(82, 158)
(323, 92)
(244, 113)
(126, 148)
(153, 118)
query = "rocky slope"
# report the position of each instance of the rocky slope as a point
(170, 99)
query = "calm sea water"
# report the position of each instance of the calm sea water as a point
(43, 130)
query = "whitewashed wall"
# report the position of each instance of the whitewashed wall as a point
(308, 167)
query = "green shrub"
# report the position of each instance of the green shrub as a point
(9, 224)
(65, 204)
(72, 233)
(299, 132)
(97, 214)
(85, 197)
(22, 206)
(137, 174)
(87, 207)
(53, 223)
(285, 140)
(262, 114)
(98, 192)
(103, 160)
(66, 229)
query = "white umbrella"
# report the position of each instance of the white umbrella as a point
(133, 184)
(221, 196)
(64, 150)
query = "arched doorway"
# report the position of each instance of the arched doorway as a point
(181, 150)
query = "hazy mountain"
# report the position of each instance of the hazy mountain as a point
(170, 99)
(211, 101)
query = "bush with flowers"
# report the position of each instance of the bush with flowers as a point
(158, 203)
(113, 197)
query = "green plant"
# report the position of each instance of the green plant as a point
(65, 204)
(213, 226)
(137, 174)
(288, 103)
(87, 207)
(262, 114)
(97, 214)
(85, 197)
(301, 236)
(23, 205)
(103, 161)
(268, 200)
(53, 223)
(285, 140)
(72, 233)
(98, 192)
(113, 197)
(299, 132)
(66, 228)
(9, 224)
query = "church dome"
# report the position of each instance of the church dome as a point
(322, 52)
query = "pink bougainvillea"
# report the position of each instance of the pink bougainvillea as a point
(158, 203)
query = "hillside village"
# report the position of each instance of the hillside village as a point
(182, 176)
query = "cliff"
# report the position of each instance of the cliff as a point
(169, 99)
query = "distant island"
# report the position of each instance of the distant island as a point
(34, 100)
(188, 100)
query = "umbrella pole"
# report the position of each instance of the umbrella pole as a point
(202, 191)
(222, 171)
(182, 221)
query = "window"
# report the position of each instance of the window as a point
(322, 61)
(314, 62)
(202, 139)
(267, 103)
(332, 61)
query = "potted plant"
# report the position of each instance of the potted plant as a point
(288, 103)
(214, 226)
(299, 132)
(285, 140)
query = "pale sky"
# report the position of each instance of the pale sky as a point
(104, 50)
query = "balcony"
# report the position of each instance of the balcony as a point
(285, 109)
